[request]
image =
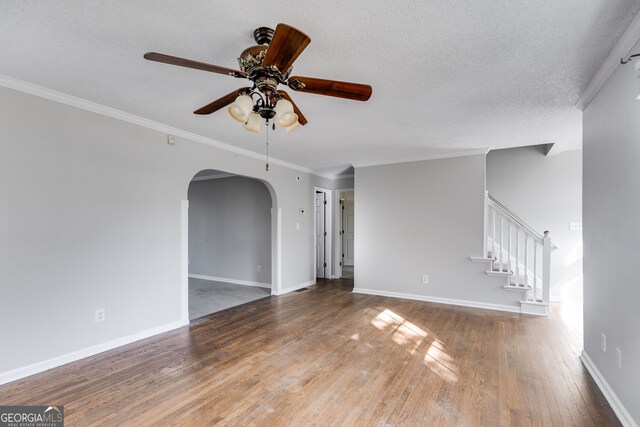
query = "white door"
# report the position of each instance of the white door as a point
(320, 235)
(348, 215)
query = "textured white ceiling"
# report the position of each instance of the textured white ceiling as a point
(446, 75)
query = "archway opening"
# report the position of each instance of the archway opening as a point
(230, 241)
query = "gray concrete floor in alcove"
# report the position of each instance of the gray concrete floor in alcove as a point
(207, 296)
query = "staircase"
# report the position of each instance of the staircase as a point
(519, 254)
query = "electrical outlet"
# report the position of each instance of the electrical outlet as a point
(100, 315)
(619, 357)
(259, 268)
(425, 278)
(297, 226)
(603, 342)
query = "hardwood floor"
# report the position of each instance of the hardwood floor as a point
(329, 357)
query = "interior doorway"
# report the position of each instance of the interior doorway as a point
(322, 232)
(230, 227)
(345, 243)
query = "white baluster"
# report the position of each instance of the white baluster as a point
(535, 270)
(546, 267)
(501, 242)
(493, 234)
(526, 259)
(517, 281)
(485, 244)
(509, 246)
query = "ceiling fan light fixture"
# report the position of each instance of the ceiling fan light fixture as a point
(253, 122)
(285, 113)
(241, 107)
(287, 119)
(296, 125)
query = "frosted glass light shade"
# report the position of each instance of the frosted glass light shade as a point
(294, 126)
(253, 122)
(241, 108)
(284, 111)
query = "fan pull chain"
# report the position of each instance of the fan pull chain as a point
(267, 167)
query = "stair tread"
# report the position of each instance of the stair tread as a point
(517, 287)
(534, 302)
(498, 273)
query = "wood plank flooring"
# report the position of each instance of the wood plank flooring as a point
(329, 357)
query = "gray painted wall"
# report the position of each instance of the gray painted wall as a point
(424, 218)
(230, 229)
(546, 191)
(90, 217)
(611, 202)
(333, 184)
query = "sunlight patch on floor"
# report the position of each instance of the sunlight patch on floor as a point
(411, 336)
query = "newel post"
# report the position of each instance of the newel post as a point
(546, 267)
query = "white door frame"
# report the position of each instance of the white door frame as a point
(328, 224)
(337, 251)
(184, 262)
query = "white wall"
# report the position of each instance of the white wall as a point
(230, 229)
(546, 191)
(611, 203)
(424, 218)
(90, 211)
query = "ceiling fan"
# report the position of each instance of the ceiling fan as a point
(267, 65)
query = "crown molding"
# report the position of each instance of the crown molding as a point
(83, 104)
(629, 38)
(481, 151)
(332, 177)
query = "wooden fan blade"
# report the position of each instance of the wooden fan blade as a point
(355, 91)
(182, 62)
(286, 45)
(221, 102)
(301, 118)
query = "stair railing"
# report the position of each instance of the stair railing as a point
(520, 249)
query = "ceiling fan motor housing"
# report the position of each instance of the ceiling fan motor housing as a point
(266, 79)
(263, 35)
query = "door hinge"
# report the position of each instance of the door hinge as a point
(342, 255)
(325, 264)
(325, 202)
(325, 233)
(340, 263)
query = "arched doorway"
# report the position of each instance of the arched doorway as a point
(231, 240)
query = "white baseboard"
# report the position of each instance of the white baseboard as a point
(534, 308)
(463, 303)
(36, 368)
(228, 280)
(293, 288)
(617, 406)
